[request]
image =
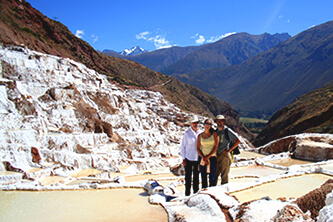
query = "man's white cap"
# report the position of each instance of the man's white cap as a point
(220, 117)
(194, 119)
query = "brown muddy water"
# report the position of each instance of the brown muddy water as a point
(79, 205)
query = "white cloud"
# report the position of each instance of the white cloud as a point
(95, 38)
(200, 39)
(216, 38)
(79, 33)
(159, 40)
(142, 35)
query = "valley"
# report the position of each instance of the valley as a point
(253, 124)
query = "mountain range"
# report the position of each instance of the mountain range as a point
(272, 79)
(136, 50)
(158, 60)
(228, 51)
(256, 74)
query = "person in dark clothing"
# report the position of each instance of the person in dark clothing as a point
(223, 150)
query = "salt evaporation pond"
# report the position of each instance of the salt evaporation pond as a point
(249, 154)
(292, 187)
(79, 205)
(132, 204)
(254, 170)
(289, 162)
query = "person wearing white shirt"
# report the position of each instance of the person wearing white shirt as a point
(190, 156)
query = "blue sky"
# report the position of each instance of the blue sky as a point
(155, 24)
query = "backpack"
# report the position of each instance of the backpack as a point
(234, 151)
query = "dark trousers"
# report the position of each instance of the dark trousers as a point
(212, 174)
(191, 168)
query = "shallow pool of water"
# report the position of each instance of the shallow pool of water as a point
(254, 170)
(249, 154)
(289, 162)
(85, 173)
(51, 180)
(79, 205)
(292, 187)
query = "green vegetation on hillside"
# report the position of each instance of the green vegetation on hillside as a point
(253, 124)
(309, 113)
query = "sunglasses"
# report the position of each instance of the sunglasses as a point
(208, 124)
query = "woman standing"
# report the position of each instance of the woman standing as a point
(207, 144)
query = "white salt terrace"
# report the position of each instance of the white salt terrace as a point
(124, 204)
(84, 168)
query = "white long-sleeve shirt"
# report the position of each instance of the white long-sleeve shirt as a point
(189, 145)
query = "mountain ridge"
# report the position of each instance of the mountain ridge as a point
(159, 59)
(228, 51)
(135, 50)
(272, 79)
(217, 54)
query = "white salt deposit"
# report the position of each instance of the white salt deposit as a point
(326, 213)
(76, 119)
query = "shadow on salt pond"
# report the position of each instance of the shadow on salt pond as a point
(79, 205)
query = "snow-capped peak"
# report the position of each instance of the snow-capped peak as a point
(136, 50)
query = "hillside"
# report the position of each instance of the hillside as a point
(226, 52)
(273, 79)
(21, 24)
(311, 112)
